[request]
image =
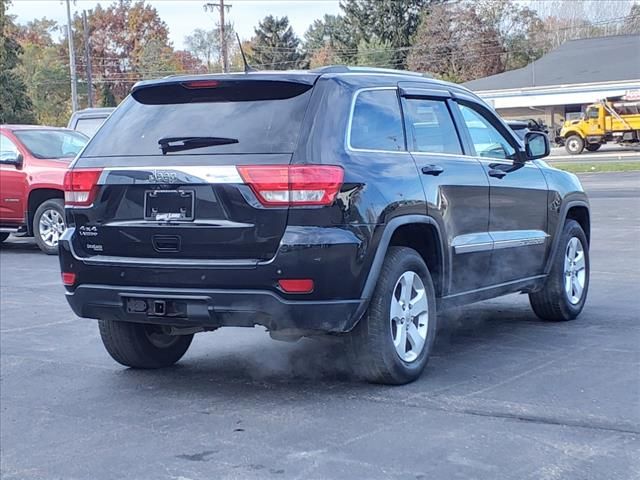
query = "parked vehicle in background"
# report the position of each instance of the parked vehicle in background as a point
(33, 162)
(602, 122)
(89, 120)
(353, 202)
(521, 127)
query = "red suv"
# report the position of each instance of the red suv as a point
(33, 161)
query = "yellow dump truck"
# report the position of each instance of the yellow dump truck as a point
(603, 122)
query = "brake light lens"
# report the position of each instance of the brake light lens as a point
(201, 84)
(81, 186)
(297, 285)
(293, 185)
(68, 279)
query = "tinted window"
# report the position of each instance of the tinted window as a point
(376, 123)
(260, 126)
(52, 143)
(7, 148)
(89, 126)
(430, 127)
(487, 140)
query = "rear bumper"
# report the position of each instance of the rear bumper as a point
(232, 293)
(213, 308)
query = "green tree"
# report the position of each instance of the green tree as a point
(330, 39)
(48, 83)
(395, 22)
(15, 105)
(107, 99)
(275, 46)
(375, 53)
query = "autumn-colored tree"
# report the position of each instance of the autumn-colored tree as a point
(186, 62)
(454, 43)
(123, 37)
(323, 56)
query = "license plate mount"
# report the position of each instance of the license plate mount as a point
(169, 205)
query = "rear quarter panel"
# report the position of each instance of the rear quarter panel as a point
(378, 186)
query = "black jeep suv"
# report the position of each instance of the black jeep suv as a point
(351, 202)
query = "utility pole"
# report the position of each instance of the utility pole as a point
(87, 59)
(72, 62)
(223, 37)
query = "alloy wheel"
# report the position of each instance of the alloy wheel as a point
(575, 272)
(51, 227)
(409, 316)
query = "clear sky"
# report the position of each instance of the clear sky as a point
(183, 16)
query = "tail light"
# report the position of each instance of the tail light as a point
(299, 285)
(81, 186)
(68, 279)
(293, 185)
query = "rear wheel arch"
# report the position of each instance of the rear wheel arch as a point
(36, 198)
(424, 238)
(402, 231)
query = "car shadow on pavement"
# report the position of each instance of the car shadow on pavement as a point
(318, 366)
(19, 245)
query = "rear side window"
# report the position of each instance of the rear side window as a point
(430, 127)
(258, 119)
(89, 126)
(376, 123)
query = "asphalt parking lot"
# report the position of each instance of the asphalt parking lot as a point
(505, 396)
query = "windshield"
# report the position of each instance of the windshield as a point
(269, 125)
(52, 143)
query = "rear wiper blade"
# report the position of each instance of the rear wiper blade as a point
(177, 144)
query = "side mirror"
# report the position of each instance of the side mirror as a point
(536, 145)
(12, 158)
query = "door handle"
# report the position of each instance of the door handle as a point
(434, 170)
(494, 172)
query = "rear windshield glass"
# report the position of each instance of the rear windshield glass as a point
(52, 143)
(259, 126)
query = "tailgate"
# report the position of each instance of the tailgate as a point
(166, 178)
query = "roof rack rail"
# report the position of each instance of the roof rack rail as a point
(348, 69)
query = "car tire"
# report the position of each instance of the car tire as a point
(3, 236)
(574, 144)
(558, 300)
(593, 147)
(139, 345)
(49, 225)
(373, 350)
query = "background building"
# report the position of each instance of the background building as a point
(558, 85)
